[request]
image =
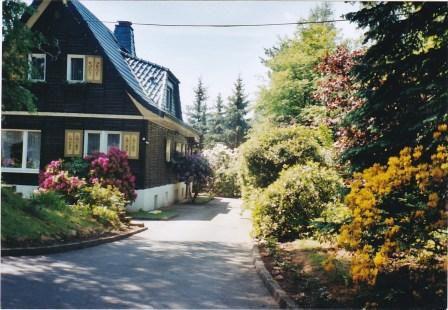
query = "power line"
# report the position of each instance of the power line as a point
(231, 25)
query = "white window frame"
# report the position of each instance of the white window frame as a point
(103, 139)
(37, 55)
(171, 108)
(69, 67)
(23, 169)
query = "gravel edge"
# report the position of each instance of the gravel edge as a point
(279, 295)
(43, 250)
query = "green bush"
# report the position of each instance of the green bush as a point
(268, 152)
(109, 197)
(286, 208)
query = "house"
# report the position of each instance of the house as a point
(95, 93)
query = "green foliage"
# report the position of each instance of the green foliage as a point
(286, 208)
(76, 167)
(43, 218)
(268, 152)
(109, 197)
(292, 69)
(216, 124)
(197, 116)
(236, 125)
(403, 76)
(18, 42)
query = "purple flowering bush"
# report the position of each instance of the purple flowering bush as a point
(112, 169)
(56, 179)
(194, 169)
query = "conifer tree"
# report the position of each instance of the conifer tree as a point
(403, 78)
(197, 114)
(216, 124)
(236, 113)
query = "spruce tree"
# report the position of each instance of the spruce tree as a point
(403, 76)
(235, 118)
(197, 113)
(216, 125)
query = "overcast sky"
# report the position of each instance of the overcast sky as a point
(217, 55)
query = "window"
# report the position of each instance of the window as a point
(101, 141)
(21, 150)
(37, 67)
(75, 68)
(170, 97)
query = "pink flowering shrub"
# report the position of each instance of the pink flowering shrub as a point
(58, 180)
(113, 169)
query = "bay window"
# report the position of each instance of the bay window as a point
(21, 150)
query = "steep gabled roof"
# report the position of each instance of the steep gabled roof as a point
(152, 77)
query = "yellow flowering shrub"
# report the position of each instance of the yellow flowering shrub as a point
(398, 209)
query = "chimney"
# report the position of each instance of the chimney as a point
(125, 36)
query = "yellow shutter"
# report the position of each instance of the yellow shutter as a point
(168, 150)
(73, 143)
(94, 69)
(131, 144)
(90, 64)
(98, 71)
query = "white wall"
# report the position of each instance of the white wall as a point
(158, 197)
(166, 195)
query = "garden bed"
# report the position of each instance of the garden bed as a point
(48, 220)
(317, 275)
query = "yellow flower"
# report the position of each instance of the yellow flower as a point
(442, 127)
(433, 200)
(436, 134)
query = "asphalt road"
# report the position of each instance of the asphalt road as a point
(200, 259)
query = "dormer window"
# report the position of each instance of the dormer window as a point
(170, 97)
(37, 67)
(75, 68)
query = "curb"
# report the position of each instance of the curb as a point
(43, 250)
(279, 295)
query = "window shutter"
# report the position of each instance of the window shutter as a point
(73, 143)
(94, 69)
(168, 150)
(131, 144)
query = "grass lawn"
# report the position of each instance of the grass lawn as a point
(202, 199)
(156, 215)
(25, 223)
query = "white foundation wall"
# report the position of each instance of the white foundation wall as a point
(147, 199)
(158, 197)
(26, 190)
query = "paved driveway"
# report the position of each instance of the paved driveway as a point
(200, 259)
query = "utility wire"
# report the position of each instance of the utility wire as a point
(232, 25)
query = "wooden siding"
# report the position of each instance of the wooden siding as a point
(52, 140)
(60, 23)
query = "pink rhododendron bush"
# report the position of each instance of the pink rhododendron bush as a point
(108, 170)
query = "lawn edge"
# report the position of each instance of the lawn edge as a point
(43, 250)
(279, 295)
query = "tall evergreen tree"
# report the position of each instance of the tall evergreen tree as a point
(236, 113)
(403, 76)
(216, 124)
(197, 114)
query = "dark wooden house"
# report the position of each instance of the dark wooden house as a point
(95, 93)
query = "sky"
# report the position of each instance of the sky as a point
(217, 55)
